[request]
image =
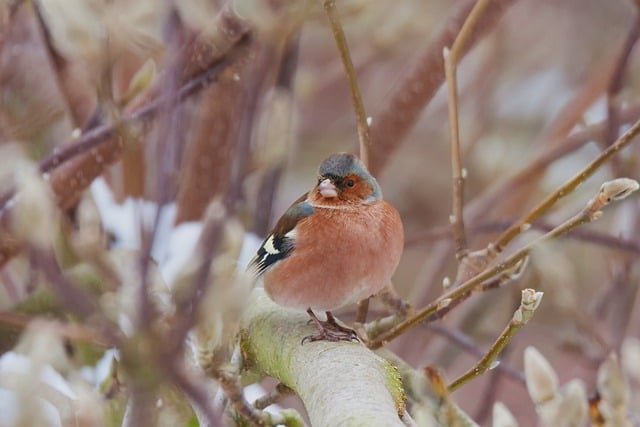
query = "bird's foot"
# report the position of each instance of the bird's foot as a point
(330, 330)
(332, 336)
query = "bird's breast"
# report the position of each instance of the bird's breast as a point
(340, 257)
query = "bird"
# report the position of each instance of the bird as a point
(336, 245)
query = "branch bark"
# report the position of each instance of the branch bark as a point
(340, 383)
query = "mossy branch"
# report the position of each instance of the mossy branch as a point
(340, 383)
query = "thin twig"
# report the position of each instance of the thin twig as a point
(566, 188)
(557, 150)
(615, 82)
(525, 179)
(457, 179)
(609, 192)
(361, 115)
(382, 325)
(558, 140)
(590, 236)
(356, 97)
(451, 58)
(463, 341)
(98, 135)
(528, 305)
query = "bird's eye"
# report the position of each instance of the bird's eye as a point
(350, 183)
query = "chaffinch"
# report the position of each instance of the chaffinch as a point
(336, 245)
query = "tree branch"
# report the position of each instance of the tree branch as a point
(528, 305)
(610, 191)
(340, 383)
(356, 97)
(567, 188)
(451, 58)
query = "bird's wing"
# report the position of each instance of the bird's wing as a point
(280, 242)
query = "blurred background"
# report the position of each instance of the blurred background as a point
(545, 87)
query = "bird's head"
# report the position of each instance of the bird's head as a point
(342, 178)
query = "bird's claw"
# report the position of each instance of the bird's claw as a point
(330, 330)
(326, 334)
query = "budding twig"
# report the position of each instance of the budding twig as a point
(465, 343)
(567, 188)
(528, 304)
(451, 57)
(610, 191)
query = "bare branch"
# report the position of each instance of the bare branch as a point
(566, 188)
(610, 191)
(451, 58)
(356, 97)
(528, 305)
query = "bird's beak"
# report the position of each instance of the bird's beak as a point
(327, 189)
